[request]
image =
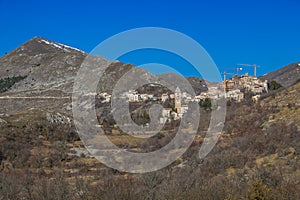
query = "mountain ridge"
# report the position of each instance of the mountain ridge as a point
(47, 64)
(49, 69)
(286, 76)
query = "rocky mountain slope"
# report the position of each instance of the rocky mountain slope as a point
(42, 68)
(198, 84)
(286, 76)
(287, 102)
(44, 63)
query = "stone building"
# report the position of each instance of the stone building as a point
(177, 100)
(164, 97)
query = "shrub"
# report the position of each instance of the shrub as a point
(8, 82)
(274, 85)
(258, 191)
(206, 104)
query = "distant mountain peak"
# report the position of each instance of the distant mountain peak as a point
(44, 63)
(39, 43)
(57, 45)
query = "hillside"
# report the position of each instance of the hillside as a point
(45, 64)
(198, 84)
(43, 68)
(288, 104)
(286, 76)
(42, 157)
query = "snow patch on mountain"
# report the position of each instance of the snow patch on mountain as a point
(63, 47)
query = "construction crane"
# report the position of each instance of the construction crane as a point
(225, 76)
(250, 65)
(237, 70)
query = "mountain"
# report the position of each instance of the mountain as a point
(44, 63)
(41, 155)
(198, 84)
(41, 67)
(286, 76)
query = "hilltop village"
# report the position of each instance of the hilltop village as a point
(236, 87)
(233, 89)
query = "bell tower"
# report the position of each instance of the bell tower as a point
(178, 100)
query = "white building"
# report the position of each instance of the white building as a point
(235, 95)
(133, 97)
(166, 112)
(144, 97)
(105, 96)
(164, 97)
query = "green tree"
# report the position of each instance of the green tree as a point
(206, 104)
(8, 82)
(274, 85)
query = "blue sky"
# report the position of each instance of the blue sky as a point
(261, 32)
